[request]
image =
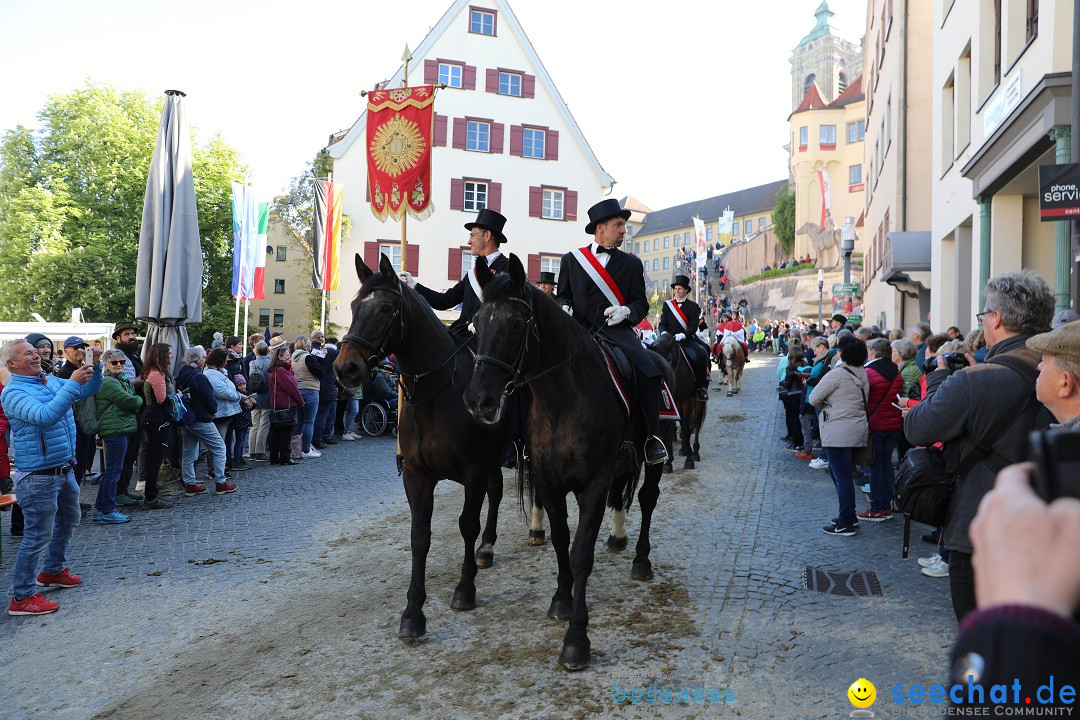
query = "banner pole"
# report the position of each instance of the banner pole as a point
(405, 58)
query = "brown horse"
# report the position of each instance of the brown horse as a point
(580, 438)
(439, 439)
(691, 408)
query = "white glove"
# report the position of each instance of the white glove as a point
(408, 279)
(472, 329)
(568, 310)
(679, 337)
(616, 314)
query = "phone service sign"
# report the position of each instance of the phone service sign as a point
(1059, 192)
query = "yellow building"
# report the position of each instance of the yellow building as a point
(827, 171)
(662, 241)
(288, 306)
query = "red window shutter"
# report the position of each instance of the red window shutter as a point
(412, 260)
(570, 207)
(453, 265)
(492, 80)
(496, 145)
(528, 86)
(460, 128)
(468, 77)
(371, 254)
(457, 194)
(534, 267)
(515, 140)
(494, 198)
(551, 145)
(536, 201)
(440, 130)
(431, 72)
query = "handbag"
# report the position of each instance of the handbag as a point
(864, 456)
(284, 417)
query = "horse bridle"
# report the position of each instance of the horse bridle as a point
(516, 374)
(379, 351)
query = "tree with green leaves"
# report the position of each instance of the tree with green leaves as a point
(71, 202)
(784, 220)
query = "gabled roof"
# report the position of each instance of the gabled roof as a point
(508, 19)
(632, 203)
(854, 93)
(812, 100)
(742, 202)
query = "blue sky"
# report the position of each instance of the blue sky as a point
(680, 100)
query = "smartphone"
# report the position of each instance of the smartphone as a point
(1056, 454)
(897, 406)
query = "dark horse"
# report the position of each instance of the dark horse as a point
(439, 439)
(580, 438)
(691, 408)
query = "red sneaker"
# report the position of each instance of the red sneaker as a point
(874, 515)
(33, 605)
(224, 488)
(804, 455)
(62, 579)
(194, 489)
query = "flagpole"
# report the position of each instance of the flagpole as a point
(247, 311)
(405, 58)
(236, 317)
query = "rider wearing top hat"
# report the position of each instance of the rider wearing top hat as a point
(547, 282)
(680, 317)
(603, 288)
(485, 237)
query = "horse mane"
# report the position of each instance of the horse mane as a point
(410, 299)
(549, 315)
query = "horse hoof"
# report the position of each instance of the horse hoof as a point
(485, 557)
(729, 394)
(536, 537)
(559, 610)
(574, 657)
(641, 571)
(614, 543)
(689, 464)
(412, 627)
(668, 468)
(464, 600)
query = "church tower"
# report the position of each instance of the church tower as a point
(824, 58)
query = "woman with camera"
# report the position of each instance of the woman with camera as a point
(285, 399)
(842, 395)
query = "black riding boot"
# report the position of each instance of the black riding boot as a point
(649, 402)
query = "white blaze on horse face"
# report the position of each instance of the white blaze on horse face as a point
(618, 524)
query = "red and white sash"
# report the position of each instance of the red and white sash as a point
(679, 314)
(475, 285)
(599, 275)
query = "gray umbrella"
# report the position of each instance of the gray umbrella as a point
(168, 287)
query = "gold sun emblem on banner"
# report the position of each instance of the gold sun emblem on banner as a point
(397, 146)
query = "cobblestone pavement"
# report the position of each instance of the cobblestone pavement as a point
(281, 601)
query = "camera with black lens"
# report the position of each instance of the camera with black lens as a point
(1056, 454)
(953, 361)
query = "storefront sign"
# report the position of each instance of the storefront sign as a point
(1059, 192)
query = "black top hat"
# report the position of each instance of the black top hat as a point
(547, 277)
(605, 210)
(489, 220)
(682, 280)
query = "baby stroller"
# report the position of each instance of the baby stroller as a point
(380, 402)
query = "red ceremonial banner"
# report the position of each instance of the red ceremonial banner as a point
(400, 124)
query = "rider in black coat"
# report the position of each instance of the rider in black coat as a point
(612, 312)
(680, 317)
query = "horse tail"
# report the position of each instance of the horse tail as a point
(621, 497)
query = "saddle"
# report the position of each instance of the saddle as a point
(624, 380)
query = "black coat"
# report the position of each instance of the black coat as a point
(578, 292)
(670, 324)
(462, 294)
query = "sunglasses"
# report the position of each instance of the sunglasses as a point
(116, 362)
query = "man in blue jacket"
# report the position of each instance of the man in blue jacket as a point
(43, 438)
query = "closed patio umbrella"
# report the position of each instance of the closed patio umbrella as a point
(169, 280)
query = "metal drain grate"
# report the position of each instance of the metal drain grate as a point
(854, 584)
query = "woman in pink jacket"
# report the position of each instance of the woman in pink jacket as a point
(886, 384)
(284, 394)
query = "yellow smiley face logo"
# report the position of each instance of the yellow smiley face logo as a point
(862, 693)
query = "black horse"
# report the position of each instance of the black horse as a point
(580, 439)
(691, 407)
(439, 439)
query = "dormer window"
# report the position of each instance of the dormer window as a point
(482, 21)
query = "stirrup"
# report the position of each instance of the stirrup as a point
(658, 459)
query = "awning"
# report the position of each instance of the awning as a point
(906, 260)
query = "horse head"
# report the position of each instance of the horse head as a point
(377, 325)
(503, 324)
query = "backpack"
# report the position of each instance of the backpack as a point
(924, 483)
(256, 382)
(86, 415)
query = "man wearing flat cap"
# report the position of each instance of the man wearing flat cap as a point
(1058, 384)
(603, 288)
(547, 283)
(485, 237)
(680, 317)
